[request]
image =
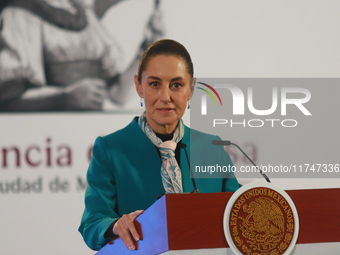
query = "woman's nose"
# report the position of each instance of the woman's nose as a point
(165, 95)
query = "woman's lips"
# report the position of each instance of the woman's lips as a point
(165, 110)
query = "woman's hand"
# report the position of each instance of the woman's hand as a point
(126, 229)
(154, 30)
(85, 94)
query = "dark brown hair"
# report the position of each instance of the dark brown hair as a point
(165, 47)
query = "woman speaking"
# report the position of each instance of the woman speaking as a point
(130, 167)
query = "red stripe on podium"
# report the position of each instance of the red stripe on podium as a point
(195, 221)
(319, 214)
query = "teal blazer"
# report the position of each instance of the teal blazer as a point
(124, 176)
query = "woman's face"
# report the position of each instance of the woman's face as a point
(165, 88)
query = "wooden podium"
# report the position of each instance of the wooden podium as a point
(178, 222)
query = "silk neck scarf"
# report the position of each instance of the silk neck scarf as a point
(170, 171)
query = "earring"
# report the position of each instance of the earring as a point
(141, 102)
(188, 105)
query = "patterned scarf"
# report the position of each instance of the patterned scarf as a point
(170, 171)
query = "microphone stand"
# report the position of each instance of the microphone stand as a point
(228, 143)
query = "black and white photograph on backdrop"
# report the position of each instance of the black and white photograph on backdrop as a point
(58, 56)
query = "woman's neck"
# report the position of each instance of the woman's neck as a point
(165, 137)
(161, 129)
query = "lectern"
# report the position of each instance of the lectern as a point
(180, 223)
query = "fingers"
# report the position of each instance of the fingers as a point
(131, 227)
(135, 214)
(96, 95)
(96, 81)
(86, 94)
(154, 29)
(129, 221)
(99, 92)
(126, 229)
(87, 82)
(124, 233)
(156, 23)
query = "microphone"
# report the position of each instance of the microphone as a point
(221, 142)
(228, 143)
(184, 146)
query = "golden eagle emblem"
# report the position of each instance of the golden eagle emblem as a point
(263, 216)
(261, 222)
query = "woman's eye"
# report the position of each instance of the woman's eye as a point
(177, 85)
(154, 84)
